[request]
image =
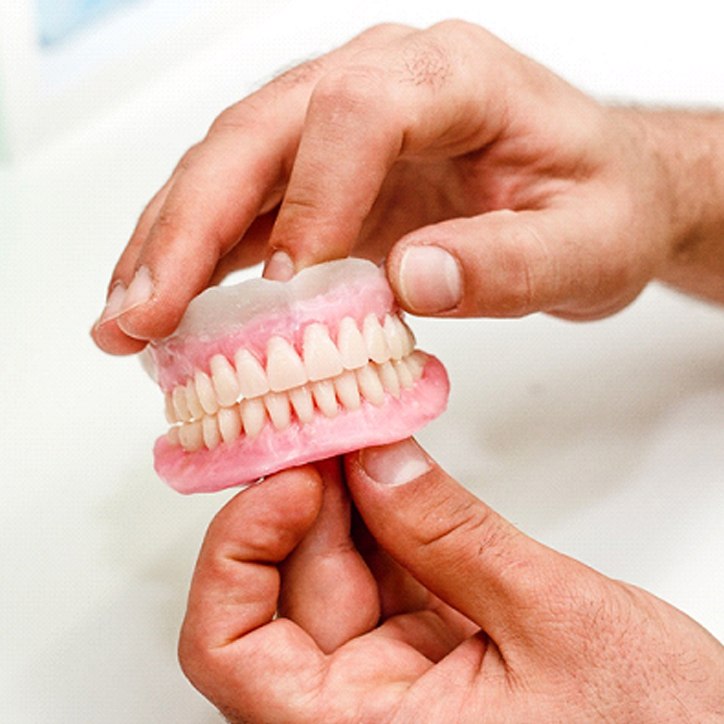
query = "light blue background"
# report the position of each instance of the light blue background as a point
(59, 18)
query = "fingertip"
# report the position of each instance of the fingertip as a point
(110, 338)
(289, 500)
(427, 278)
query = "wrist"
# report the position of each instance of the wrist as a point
(688, 150)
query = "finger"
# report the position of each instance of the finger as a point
(105, 332)
(230, 183)
(409, 97)
(236, 173)
(451, 542)
(401, 594)
(235, 586)
(508, 264)
(251, 250)
(425, 631)
(326, 587)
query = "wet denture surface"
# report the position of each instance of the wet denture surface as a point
(267, 375)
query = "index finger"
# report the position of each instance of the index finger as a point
(236, 173)
(417, 96)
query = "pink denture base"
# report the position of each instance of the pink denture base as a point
(179, 356)
(247, 459)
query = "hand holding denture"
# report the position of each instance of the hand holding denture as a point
(491, 186)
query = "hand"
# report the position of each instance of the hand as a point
(492, 186)
(428, 608)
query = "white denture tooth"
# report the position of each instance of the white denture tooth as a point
(325, 397)
(250, 374)
(284, 368)
(389, 379)
(229, 423)
(370, 385)
(322, 359)
(190, 436)
(403, 374)
(223, 376)
(172, 435)
(210, 431)
(301, 399)
(347, 390)
(277, 405)
(179, 404)
(205, 391)
(392, 336)
(192, 401)
(171, 416)
(416, 364)
(351, 344)
(375, 341)
(406, 335)
(253, 415)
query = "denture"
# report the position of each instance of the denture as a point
(267, 375)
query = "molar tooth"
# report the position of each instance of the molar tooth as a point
(375, 341)
(179, 404)
(403, 374)
(392, 336)
(253, 415)
(370, 385)
(229, 423)
(351, 345)
(210, 431)
(251, 375)
(284, 369)
(277, 405)
(325, 398)
(301, 399)
(347, 390)
(171, 416)
(192, 400)
(191, 436)
(406, 335)
(389, 380)
(322, 359)
(416, 363)
(205, 391)
(223, 376)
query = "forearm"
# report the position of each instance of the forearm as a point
(689, 147)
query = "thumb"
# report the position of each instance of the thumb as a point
(511, 263)
(454, 544)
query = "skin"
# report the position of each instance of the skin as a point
(429, 607)
(402, 615)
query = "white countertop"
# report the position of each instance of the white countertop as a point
(604, 440)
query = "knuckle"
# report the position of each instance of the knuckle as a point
(240, 116)
(455, 523)
(188, 160)
(348, 90)
(385, 31)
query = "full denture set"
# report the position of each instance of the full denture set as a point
(267, 375)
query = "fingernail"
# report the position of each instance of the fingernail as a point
(396, 464)
(430, 279)
(113, 304)
(139, 290)
(280, 267)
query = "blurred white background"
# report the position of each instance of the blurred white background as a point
(604, 440)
